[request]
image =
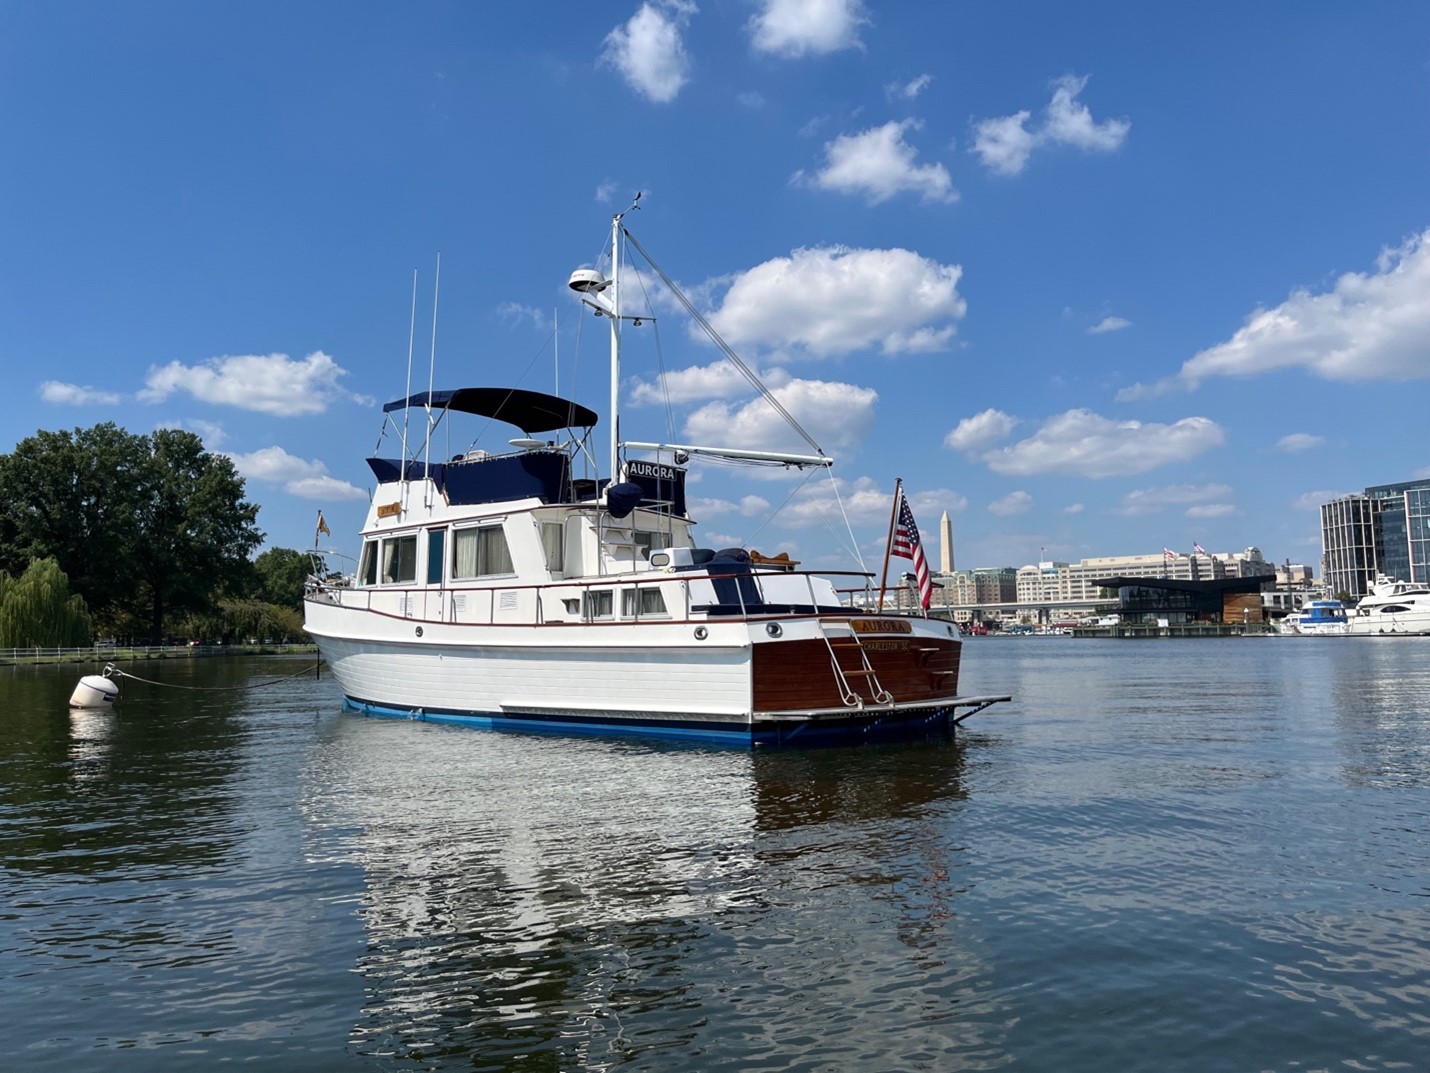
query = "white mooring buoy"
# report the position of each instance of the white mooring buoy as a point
(94, 691)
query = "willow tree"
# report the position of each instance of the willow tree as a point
(37, 609)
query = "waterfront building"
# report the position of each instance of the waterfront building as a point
(1054, 582)
(1163, 602)
(1384, 530)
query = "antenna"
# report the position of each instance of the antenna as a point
(431, 371)
(407, 410)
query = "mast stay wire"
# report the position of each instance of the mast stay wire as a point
(725, 348)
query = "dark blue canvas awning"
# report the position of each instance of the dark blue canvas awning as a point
(530, 411)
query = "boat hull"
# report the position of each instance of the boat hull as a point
(743, 681)
(1408, 624)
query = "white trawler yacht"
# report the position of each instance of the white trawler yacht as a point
(499, 589)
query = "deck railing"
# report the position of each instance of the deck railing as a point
(481, 604)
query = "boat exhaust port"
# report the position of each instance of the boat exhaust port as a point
(774, 629)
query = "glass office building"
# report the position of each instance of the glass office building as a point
(1385, 530)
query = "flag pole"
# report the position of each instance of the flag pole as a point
(889, 543)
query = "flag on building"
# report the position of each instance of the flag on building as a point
(908, 545)
(1169, 553)
(1199, 549)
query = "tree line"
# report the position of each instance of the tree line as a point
(104, 533)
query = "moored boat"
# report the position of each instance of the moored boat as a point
(1318, 618)
(1393, 607)
(502, 589)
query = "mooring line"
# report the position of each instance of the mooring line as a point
(110, 671)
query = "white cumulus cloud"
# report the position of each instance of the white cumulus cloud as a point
(1368, 326)
(1084, 444)
(832, 300)
(836, 415)
(794, 28)
(303, 478)
(908, 90)
(1005, 143)
(1153, 500)
(61, 394)
(718, 380)
(1109, 324)
(1211, 510)
(1012, 503)
(1299, 441)
(878, 164)
(648, 50)
(266, 383)
(980, 431)
(867, 502)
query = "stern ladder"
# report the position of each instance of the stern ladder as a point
(839, 637)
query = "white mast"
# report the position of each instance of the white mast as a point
(615, 344)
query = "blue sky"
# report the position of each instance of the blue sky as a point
(1096, 279)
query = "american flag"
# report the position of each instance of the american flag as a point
(1200, 550)
(1169, 553)
(908, 546)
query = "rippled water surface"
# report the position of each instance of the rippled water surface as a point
(1162, 856)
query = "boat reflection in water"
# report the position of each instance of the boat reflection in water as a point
(529, 894)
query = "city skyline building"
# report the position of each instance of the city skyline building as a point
(1384, 530)
(1054, 581)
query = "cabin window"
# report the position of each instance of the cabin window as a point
(434, 555)
(368, 570)
(480, 552)
(399, 559)
(636, 602)
(553, 543)
(648, 541)
(596, 604)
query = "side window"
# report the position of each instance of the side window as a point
(434, 555)
(367, 571)
(596, 604)
(644, 601)
(399, 559)
(480, 552)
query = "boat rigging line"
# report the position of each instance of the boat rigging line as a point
(725, 348)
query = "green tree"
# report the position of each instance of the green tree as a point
(39, 609)
(72, 497)
(281, 575)
(144, 526)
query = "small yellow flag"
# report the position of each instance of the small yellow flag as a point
(322, 526)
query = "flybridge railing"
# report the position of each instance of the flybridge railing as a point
(532, 605)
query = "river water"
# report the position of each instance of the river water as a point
(1162, 856)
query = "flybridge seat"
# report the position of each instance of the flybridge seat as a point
(737, 590)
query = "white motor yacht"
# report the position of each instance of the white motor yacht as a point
(1393, 607)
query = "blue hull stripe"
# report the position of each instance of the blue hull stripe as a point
(802, 733)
